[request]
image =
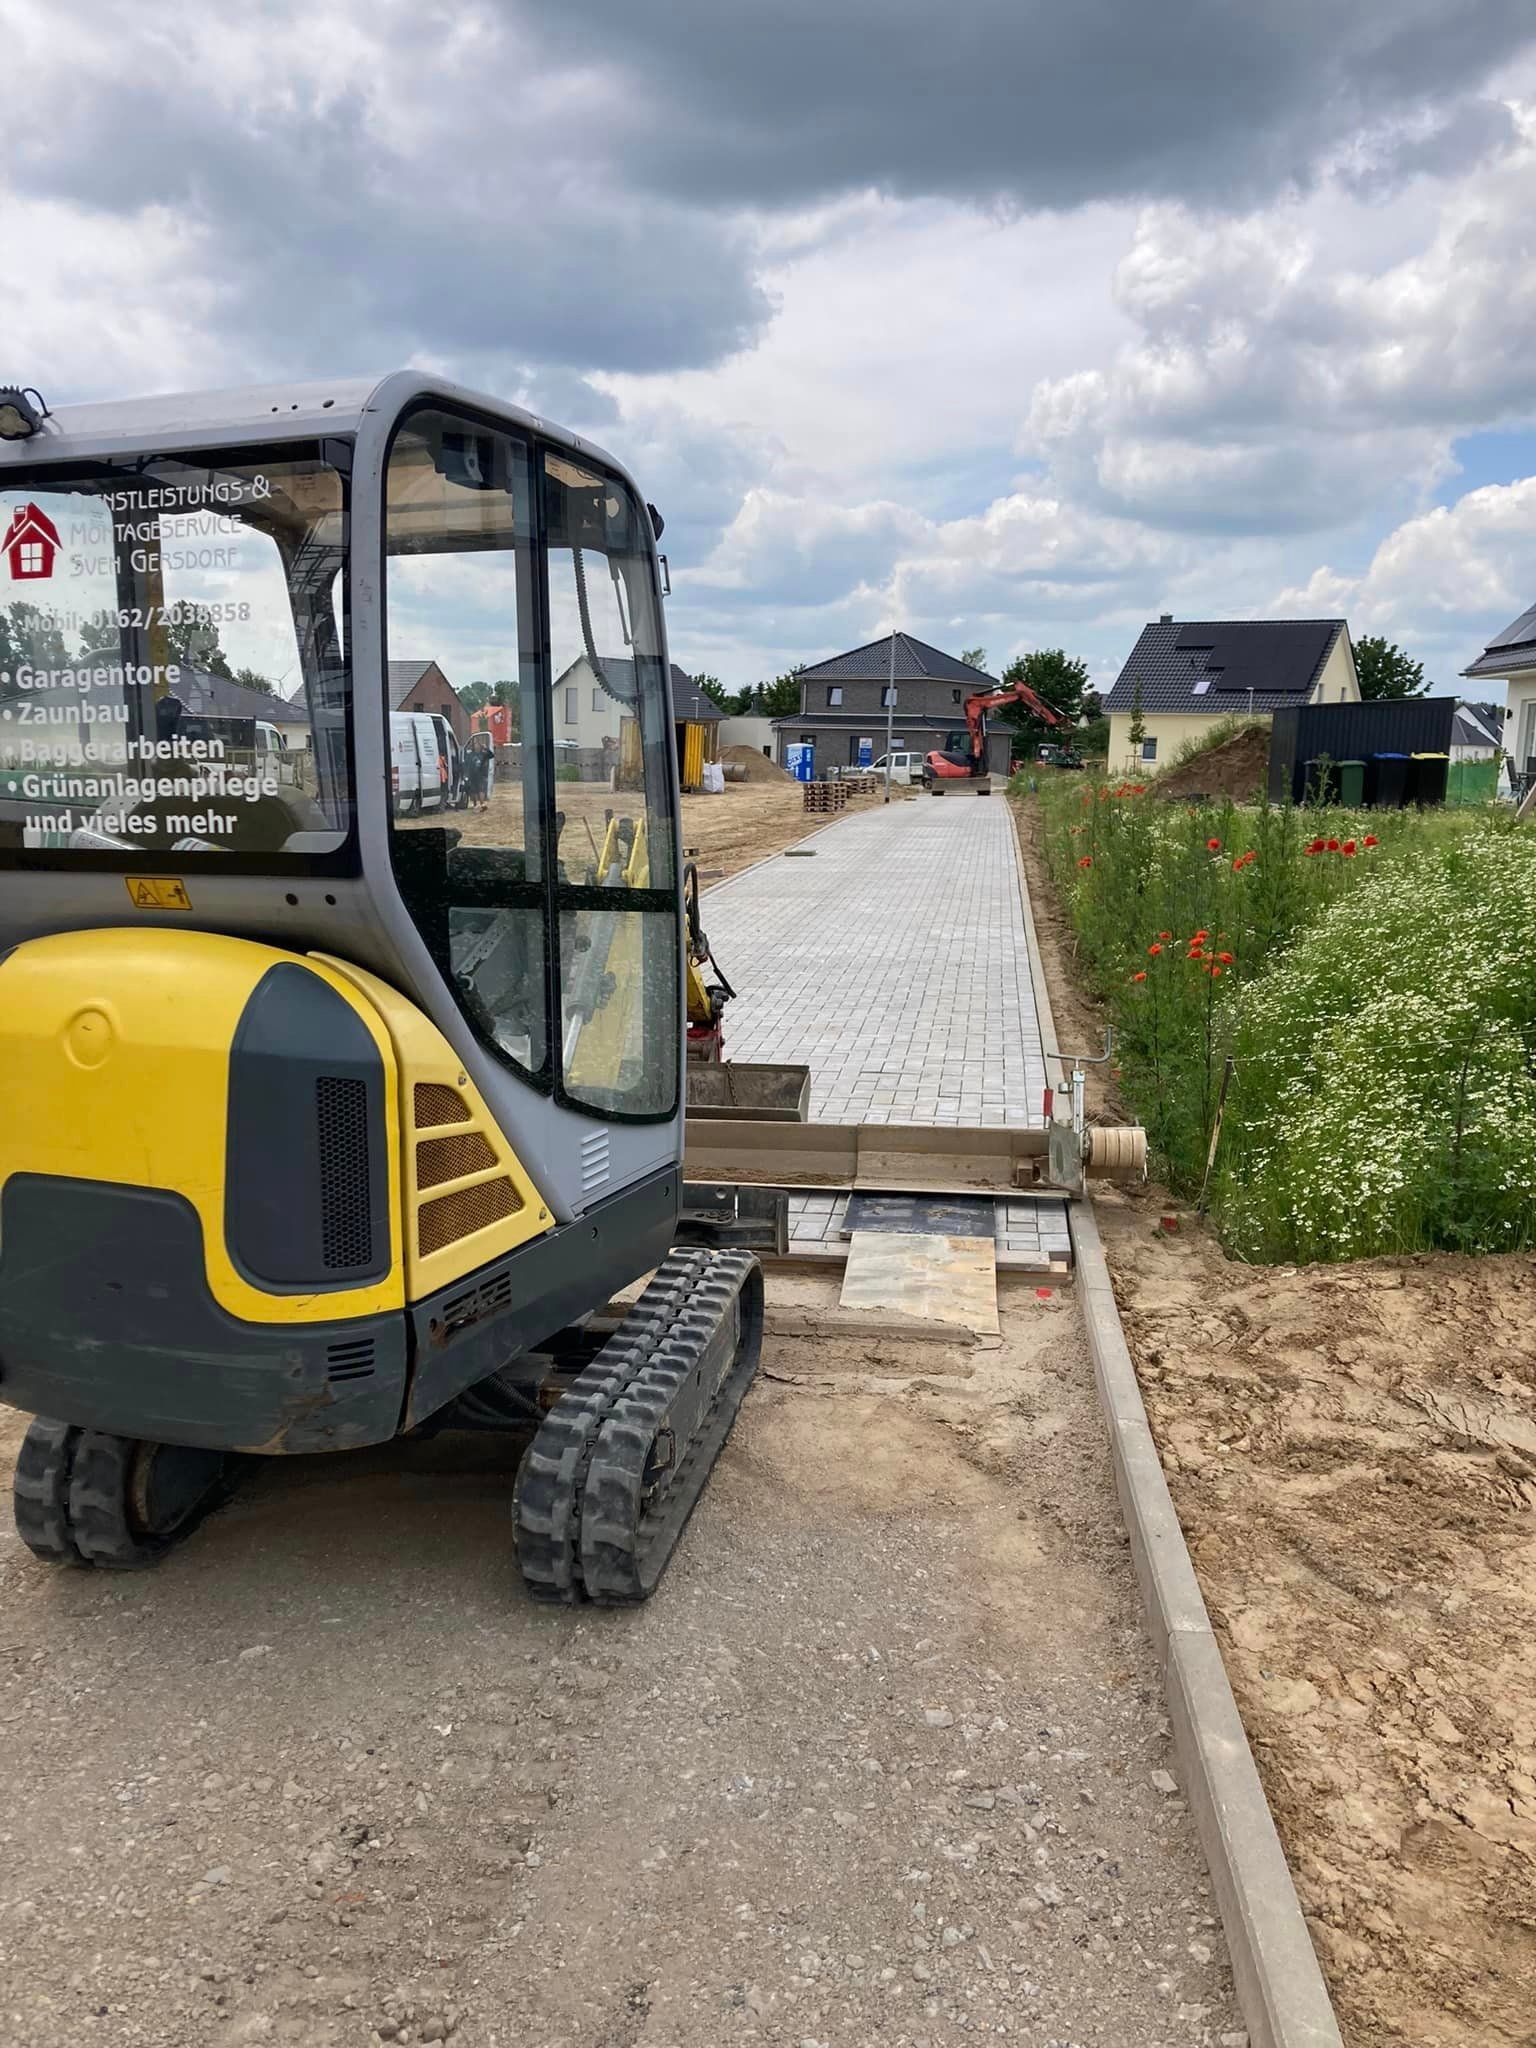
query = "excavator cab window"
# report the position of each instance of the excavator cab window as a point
(518, 573)
(170, 606)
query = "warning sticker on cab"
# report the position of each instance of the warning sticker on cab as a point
(152, 892)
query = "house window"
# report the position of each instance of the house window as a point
(1149, 750)
(597, 700)
(419, 705)
(807, 739)
(31, 558)
(955, 694)
(887, 694)
(834, 695)
(570, 707)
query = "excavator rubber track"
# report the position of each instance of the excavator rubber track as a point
(607, 1485)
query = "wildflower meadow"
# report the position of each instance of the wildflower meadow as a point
(1325, 1019)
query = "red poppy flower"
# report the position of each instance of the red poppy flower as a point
(1348, 846)
(1165, 935)
(1213, 846)
(1140, 975)
(1200, 938)
(1371, 839)
(1154, 950)
(1086, 861)
(1333, 846)
(1239, 864)
(1140, 789)
(1317, 846)
(1196, 953)
(1215, 971)
(1225, 959)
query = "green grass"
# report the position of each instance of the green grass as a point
(1376, 1000)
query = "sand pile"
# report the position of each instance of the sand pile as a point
(758, 766)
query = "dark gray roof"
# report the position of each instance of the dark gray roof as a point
(210, 696)
(1512, 652)
(914, 658)
(1212, 664)
(1478, 725)
(688, 700)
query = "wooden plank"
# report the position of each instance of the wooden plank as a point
(935, 1279)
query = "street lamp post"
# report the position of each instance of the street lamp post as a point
(890, 713)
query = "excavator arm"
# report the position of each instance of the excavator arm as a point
(976, 709)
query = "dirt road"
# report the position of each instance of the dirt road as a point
(725, 833)
(878, 1764)
(1352, 1452)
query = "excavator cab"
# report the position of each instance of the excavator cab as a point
(329, 1108)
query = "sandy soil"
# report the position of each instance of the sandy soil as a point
(876, 1766)
(1352, 1451)
(723, 833)
(1238, 768)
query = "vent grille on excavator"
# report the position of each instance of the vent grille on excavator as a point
(447, 1218)
(435, 1103)
(341, 1118)
(440, 1159)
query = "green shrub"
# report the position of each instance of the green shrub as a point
(1385, 1082)
(567, 772)
(1322, 951)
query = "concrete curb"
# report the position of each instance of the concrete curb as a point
(1279, 1983)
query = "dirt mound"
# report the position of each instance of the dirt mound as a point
(1238, 767)
(757, 765)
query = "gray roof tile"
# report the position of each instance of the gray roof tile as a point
(1278, 660)
(914, 659)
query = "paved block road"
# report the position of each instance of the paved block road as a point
(892, 962)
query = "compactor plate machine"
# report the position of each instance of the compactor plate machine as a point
(321, 1123)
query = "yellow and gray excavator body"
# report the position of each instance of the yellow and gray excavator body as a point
(339, 1087)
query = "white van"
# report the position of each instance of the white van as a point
(904, 767)
(426, 763)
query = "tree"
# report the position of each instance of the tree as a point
(1138, 726)
(781, 697)
(99, 635)
(474, 696)
(30, 634)
(974, 657)
(1058, 679)
(192, 641)
(1386, 670)
(251, 679)
(714, 690)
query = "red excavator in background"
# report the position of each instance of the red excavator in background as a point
(971, 766)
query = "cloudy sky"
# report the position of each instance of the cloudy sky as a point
(1012, 321)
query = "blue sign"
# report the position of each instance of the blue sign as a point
(800, 760)
(866, 753)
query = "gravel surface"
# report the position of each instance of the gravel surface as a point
(884, 1761)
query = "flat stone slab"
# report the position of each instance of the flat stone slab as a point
(936, 1279)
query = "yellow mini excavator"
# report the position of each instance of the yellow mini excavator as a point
(323, 1119)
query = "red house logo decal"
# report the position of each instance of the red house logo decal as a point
(30, 544)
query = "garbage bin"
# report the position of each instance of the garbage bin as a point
(1352, 784)
(1320, 780)
(1426, 778)
(1390, 781)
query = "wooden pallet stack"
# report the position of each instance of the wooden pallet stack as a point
(826, 796)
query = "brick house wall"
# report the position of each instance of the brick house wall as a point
(916, 697)
(433, 692)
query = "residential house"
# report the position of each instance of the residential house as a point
(587, 718)
(1510, 658)
(1190, 673)
(422, 686)
(211, 696)
(844, 704)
